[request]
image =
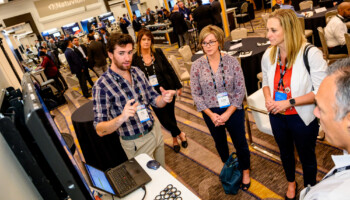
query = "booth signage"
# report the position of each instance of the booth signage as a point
(50, 7)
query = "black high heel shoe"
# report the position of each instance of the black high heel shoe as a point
(296, 190)
(245, 187)
(184, 144)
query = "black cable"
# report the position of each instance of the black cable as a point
(112, 196)
(144, 188)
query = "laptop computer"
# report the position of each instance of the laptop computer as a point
(120, 180)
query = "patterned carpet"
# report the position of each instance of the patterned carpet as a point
(199, 165)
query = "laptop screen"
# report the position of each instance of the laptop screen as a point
(99, 179)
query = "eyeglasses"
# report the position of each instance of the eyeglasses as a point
(210, 43)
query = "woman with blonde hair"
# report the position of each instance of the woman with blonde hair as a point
(158, 70)
(218, 89)
(289, 89)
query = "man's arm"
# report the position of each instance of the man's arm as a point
(108, 127)
(166, 97)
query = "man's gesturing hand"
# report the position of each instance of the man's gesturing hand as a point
(129, 110)
(167, 95)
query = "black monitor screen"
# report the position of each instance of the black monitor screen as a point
(51, 143)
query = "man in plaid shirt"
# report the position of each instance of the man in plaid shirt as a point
(121, 102)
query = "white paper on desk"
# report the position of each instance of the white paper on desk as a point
(319, 10)
(246, 55)
(236, 46)
(199, 52)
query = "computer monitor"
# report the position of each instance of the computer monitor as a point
(205, 2)
(57, 34)
(51, 144)
(75, 29)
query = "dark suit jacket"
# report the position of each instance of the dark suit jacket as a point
(216, 9)
(166, 75)
(203, 16)
(136, 25)
(97, 54)
(75, 63)
(178, 22)
(81, 56)
(150, 19)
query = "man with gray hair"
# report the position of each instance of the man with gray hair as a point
(333, 110)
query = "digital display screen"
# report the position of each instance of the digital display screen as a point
(99, 179)
(75, 29)
(58, 34)
(138, 14)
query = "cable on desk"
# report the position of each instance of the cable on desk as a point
(144, 188)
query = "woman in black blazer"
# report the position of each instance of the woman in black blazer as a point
(160, 73)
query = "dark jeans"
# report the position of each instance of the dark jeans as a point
(341, 49)
(82, 83)
(166, 116)
(290, 130)
(235, 127)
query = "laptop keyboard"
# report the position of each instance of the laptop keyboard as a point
(122, 179)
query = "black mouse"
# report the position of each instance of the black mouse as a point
(153, 164)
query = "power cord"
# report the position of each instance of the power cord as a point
(144, 188)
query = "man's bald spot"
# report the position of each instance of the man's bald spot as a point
(176, 8)
(343, 5)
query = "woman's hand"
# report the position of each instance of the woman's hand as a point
(223, 118)
(279, 106)
(269, 102)
(215, 118)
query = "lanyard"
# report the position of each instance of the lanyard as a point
(152, 63)
(282, 73)
(337, 170)
(137, 89)
(222, 71)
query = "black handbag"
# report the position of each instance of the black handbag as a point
(231, 175)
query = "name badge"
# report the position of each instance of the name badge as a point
(280, 96)
(153, 80)
(142, 113)
(185, 15)
(223, 100)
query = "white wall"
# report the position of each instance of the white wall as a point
(118, 10)
(20, 7)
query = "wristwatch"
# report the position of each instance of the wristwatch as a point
(292, 102)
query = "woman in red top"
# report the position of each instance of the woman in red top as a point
(50, 70)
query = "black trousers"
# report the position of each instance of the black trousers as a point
(341, 49)
(166, 116)
(235, 127)
(290, 130)
(82, 83)
(88, 77)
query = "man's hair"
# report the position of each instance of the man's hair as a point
(66, 42)
(342, 95)
(119, 39)
(287, 1)
(91, 36)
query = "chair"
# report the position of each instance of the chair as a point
(347, 40)
(265, 16)
(330, 57)
(267, 4)
(186, 53)
(307, 32)
(256, 104)
(260, 77)
(183, 76)
(244, 12)
(239, 33)
(305, 5)
(330, 14)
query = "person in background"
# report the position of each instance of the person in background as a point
(278, 5)
(185, 11)
(289, 91)
(136, 24)
(160, 73)
(287, 5)
(96, 55)
(203, 15)
(121, 99)
(180, 26)
(166, 14)
(218, 89)
(335, 30)
(57, 64)
(216, 8)
(81, 51)
(333, 110)
(123, 26)
(104, 35)
(126, 19)
(149, 17)
(77, 67)
(50, 70)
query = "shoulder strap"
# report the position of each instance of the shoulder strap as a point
(306, 60)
